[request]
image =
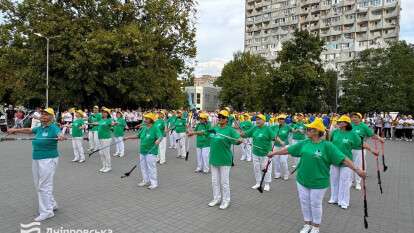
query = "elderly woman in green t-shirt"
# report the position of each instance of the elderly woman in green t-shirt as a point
(222, 137)
(316, 156)
(262, 136)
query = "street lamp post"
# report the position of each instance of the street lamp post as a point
(47, 64)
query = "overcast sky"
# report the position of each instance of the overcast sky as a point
(221, 32)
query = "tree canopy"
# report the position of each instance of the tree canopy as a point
(111, 52)
(380, 80)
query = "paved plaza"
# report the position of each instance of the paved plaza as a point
(90, 200)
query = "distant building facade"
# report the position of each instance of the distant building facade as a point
(204, 95)
(347, 26)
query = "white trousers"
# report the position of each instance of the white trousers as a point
(78, 148)
(148, 164)
(119, 146)
(341, 180)
(43, 172)
(93, 140)
(202, 159)
(220, 180)
(173, 136)
(162, 147)
(246, 149)
(357, 159)
(181, 150)
(279, 163)
(105, 153)
(259, 163)
(311, 203)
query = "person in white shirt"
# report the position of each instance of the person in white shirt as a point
(36, 118)
(399, 128)
(408, 128)
(67, 120)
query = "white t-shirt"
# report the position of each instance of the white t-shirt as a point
(67, 117)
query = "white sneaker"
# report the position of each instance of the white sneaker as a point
(108, 169)
(306, 228)
(344, 207)
(277, 177)
(81, 161)
(249, 160)
(214, 203)
(255, 186)
(242, 159)
(121, 155)
(152, 187)
(197, 170)
(161, 163)
(75, 160)
(332, 202)
(266, 187)
(43, 217)
(142, 184)
(315, 230)
(102, 169)
(286, 177)
(358, 186)
(224, 205)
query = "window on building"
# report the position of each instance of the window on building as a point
(198, 98)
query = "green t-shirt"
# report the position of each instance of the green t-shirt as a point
(362, 130)
(160, 123)
(147, 137)
(170, 121)
(230, 120)
(220, 153)
(203, 141)
(104, 128)
(119, 128)
(76, 128)
(262, 137)
(283, 134)
(246, 125)
(345, 141)
(180, 125)
(315, 161)
(299, 134)
(45, 148)
(94, 118)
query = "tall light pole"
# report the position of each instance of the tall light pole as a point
(47, 64)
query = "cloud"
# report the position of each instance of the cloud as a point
(407, 21)
(212, 67)
(220, 31)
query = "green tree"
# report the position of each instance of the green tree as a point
(301, 77)
(242, 81)
(380, 80)
(111, 52)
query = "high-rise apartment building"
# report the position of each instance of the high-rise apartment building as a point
(347, 26)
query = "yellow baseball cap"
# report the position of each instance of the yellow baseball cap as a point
(317, 124)
(49, 111)
(344, 118)
(281, 116)
(357, 114)
(224, 113)
(106, 110)
(96, 107)
(261, 116)
(203, 115)
(80, 112)
(151, 116)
